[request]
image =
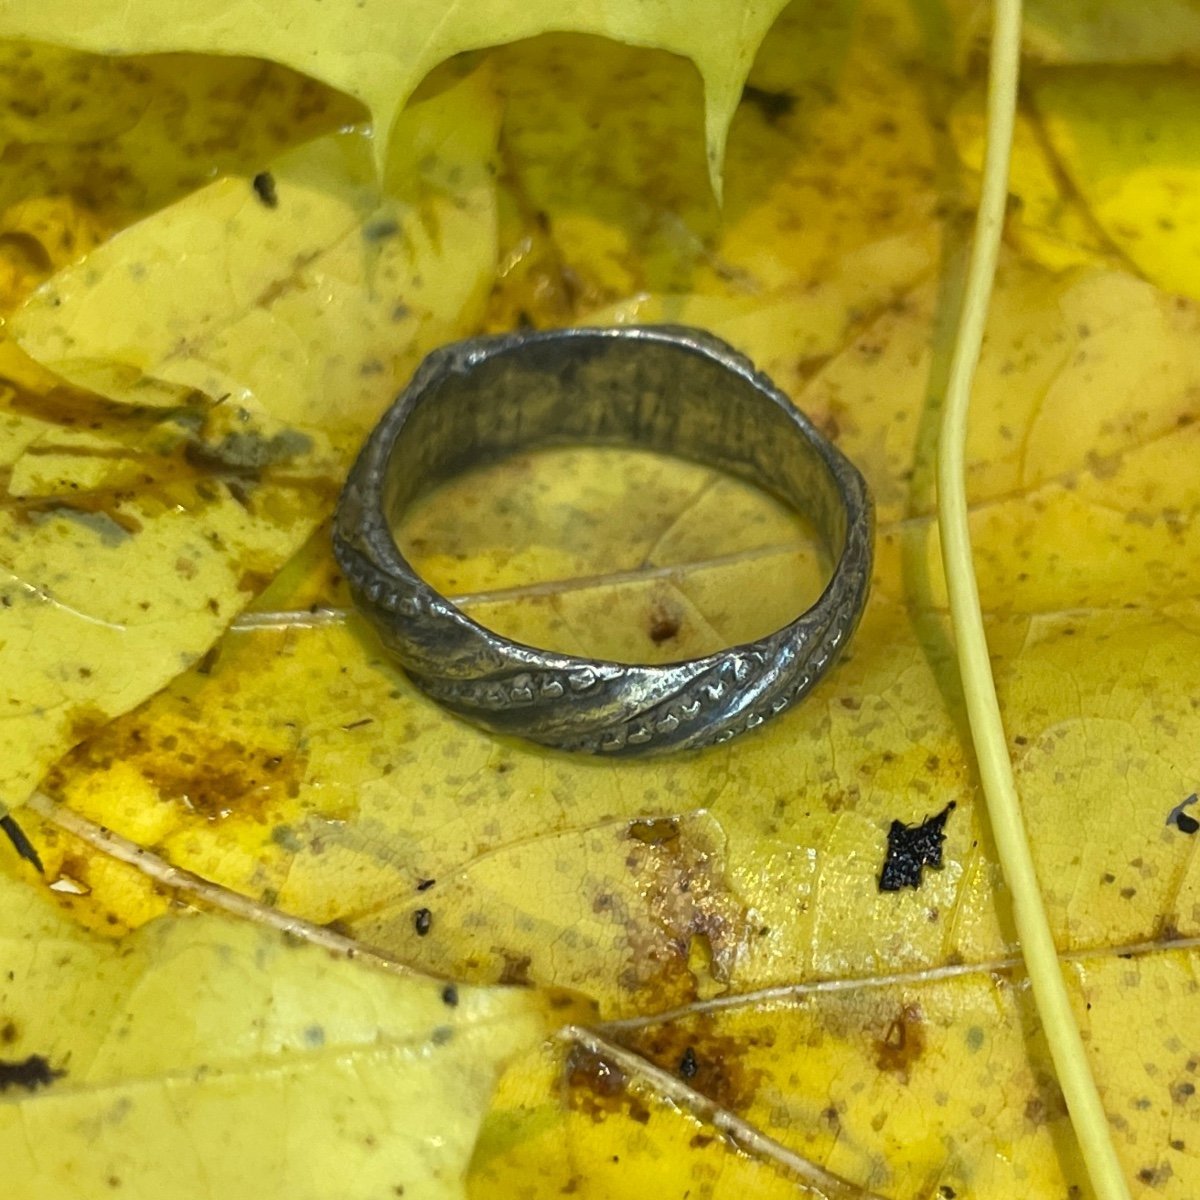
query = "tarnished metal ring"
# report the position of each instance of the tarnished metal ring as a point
(675, 390)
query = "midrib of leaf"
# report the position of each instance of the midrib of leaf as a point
(201, 891)
(983, 707)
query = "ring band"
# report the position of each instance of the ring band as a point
(675, 390)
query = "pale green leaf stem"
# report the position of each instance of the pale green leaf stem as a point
(983, 709)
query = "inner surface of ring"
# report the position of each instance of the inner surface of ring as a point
(591, 389)
(615, 553)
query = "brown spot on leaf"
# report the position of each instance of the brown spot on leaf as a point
(85, 720)
(208, 775)
(516, 970)
(663, 626)
(597, 1084)
(75, 868)
(253, 581)
(806, 368)
(713, 1063)
(1047, 1104)
(681, 902)
(1157, 1175)
(903, 1043)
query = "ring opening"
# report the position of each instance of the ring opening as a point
(637, 507)
(613, 553)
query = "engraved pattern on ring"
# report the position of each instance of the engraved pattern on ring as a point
(684, 384)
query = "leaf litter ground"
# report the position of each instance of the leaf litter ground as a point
(729, 910)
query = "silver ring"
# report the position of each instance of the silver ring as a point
(675, 390)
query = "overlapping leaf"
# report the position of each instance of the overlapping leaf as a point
(138, 524)
(362, 47)
(146, 1076)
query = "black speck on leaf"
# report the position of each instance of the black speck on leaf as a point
(688, 1066)
(450, 995)
(912, 848)
(772, 105)
(264, 189)
(29, 1073)
(1181, 819)
(423, 885)
(422, 921)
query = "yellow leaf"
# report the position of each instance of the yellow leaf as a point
(136, 528)
(1046, 223)
(608, 204)
(93, 143)
(200, 1057)
(766, 1010)
(1127, 140)
(1110, 31)
(321, 776)
(363, 47)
